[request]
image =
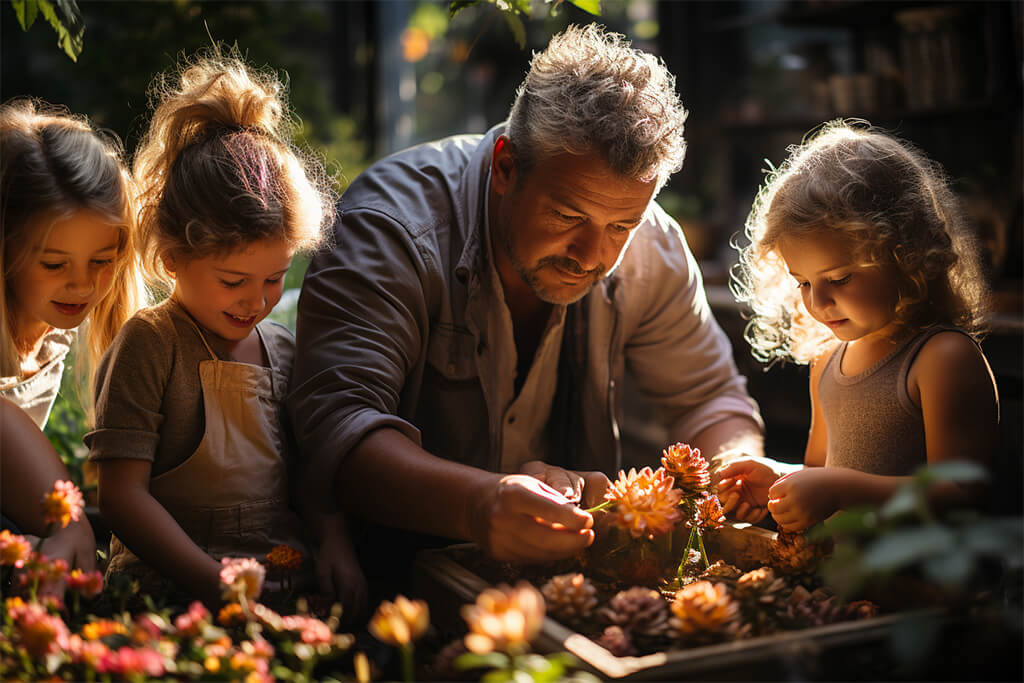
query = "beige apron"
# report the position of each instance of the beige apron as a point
(231, 495)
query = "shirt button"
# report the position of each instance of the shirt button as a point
(451, 368)
(511, 419)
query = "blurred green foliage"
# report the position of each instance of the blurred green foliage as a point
(514, 11)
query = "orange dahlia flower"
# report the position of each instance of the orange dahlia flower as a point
(645, 503)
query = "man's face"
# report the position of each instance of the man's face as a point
(559, 228)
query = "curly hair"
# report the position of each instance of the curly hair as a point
(590, 91)
(217, 169)
(897, 210)
(52, 164)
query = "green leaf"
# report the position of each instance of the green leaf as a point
(588, 6)
(902, 503)
(26, 11)
(515, 24)
(491, 660)
(904, 547)
(962, 471)
(456, 6)
(859, 521)
(66, 19)
(950, 568)
(998, 537)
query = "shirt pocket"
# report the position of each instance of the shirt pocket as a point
(451, 353)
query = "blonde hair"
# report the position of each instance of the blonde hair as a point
(216, 169)
(590, 91)
(55, 163)
(896, 208)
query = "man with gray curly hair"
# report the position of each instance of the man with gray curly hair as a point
(461, 350)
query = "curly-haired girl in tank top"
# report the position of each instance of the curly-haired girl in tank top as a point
(860, 263)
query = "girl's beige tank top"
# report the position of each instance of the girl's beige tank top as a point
(873, 425)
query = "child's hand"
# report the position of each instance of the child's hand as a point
(802, 499)
(743, 489)
(75, 544)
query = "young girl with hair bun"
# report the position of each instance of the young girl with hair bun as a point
(861, 263)
(193, 451)
(69, 269)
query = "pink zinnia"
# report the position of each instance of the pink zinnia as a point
(14, 549)
(242, 577)
(191, 622)
(89, 584)
(63, 504)
(41, 632)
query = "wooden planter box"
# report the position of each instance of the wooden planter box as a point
(447, 584)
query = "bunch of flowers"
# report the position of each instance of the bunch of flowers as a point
(43, 638)
(652, 503)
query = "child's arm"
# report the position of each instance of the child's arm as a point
(145, 526)
(28, 469)
(960, 407)
(952, 383)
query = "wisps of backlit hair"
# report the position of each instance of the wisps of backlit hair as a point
(217, 169)
(894, 205)
(590, 91)
(52, 164)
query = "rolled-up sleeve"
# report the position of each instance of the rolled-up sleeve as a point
(362, 322)
(679, 355)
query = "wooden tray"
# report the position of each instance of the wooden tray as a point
(447, 584)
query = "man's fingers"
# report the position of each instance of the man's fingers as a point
(528, 496)
(595, 484)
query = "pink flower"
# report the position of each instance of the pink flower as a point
(310, 630)
(14, 549)
(63, 504)
(645, 502)
(133, 663)
(191, 622)
(242, 578)
(40, 632)
(89, 584)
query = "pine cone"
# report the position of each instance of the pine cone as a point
(570, 598)
(792, 553)
(617, 641)
(703, 612)
(807, 610)
(640, 612)
(721, 572)
(688, 468)
(762, 597)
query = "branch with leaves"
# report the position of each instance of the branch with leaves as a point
(515, 10)
(63, 15)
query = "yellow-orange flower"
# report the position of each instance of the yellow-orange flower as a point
(688, 468)
(231, 613)
(14, 549)
(400, 622)
(645, 502)
(103, 627)
(504, 619)
(284, 557)
(63, 504)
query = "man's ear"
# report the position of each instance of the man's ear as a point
(503, 166)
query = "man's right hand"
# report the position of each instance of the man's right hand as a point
(522, 519)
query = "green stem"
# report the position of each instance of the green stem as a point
(408, 663)
(601, 506)
(703, 552)
(686, 556)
